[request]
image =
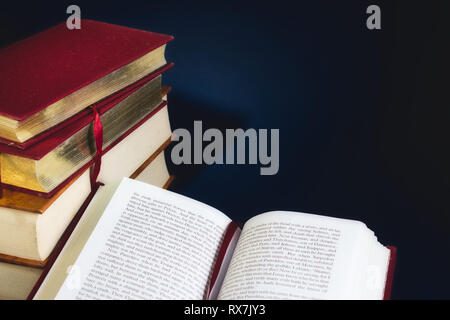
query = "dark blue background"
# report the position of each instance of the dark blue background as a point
(362, 114)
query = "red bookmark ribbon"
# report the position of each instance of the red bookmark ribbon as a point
(98, 136)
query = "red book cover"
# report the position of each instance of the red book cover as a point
(50, 65)
(88, 164)
(40, 145)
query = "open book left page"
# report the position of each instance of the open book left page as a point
(148, 244)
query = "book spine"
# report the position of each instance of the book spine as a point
(17, 148)
(229, 233)
(390, 274)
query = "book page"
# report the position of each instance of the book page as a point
(373, 272)
(149, 243)
(288, 255)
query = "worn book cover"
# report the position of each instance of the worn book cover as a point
(53, 75)
(60, 152)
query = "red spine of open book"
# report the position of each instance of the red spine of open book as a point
(40, 145)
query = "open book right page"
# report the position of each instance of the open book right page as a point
(291, 255)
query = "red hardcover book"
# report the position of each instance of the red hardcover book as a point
(54, 74)
(390, 273)
(60, 143)
(45, 142)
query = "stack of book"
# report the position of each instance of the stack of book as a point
(77, 108)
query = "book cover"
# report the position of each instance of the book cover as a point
(54, 74)
(41, 144)
(65, 148)
(63, 134)
(15, 199)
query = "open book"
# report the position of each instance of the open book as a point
(138, 241)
